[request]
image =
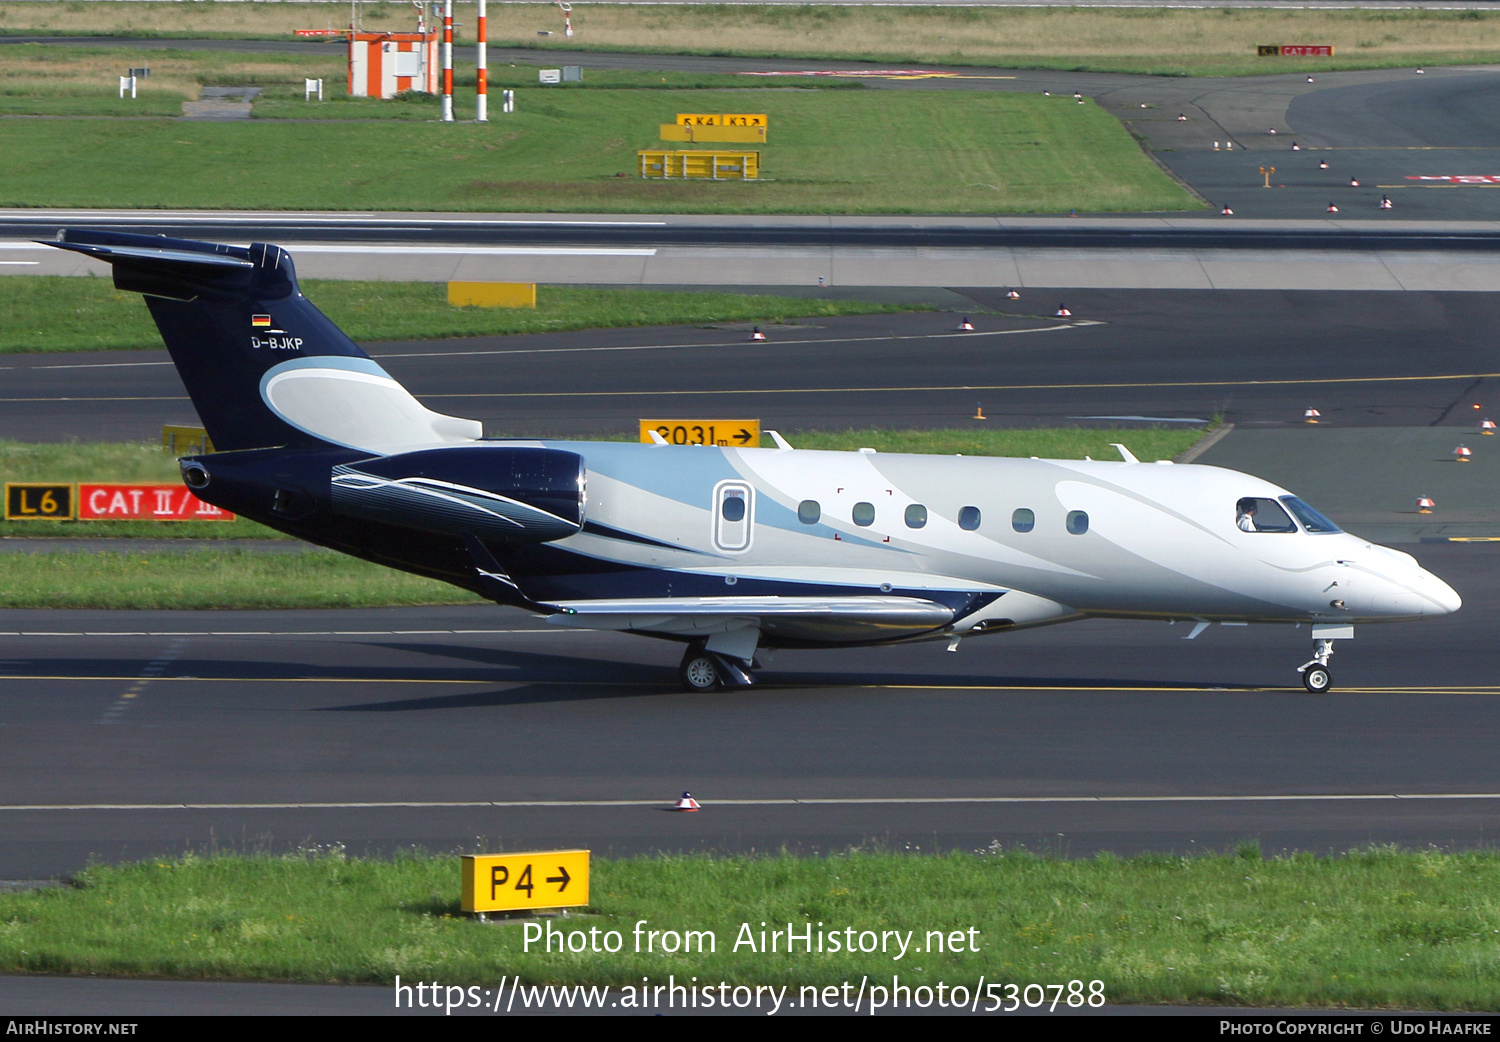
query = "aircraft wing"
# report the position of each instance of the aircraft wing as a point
(794, 617)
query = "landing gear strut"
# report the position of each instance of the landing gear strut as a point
(1316, 676)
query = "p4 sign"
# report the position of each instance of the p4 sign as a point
(145, 503)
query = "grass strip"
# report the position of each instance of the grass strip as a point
(1147, 443)
(1158, 41)
(199, 578)
(1373, 928)
(575, 151)
(39, 79)
(120, 462)
(52, 313)
(1149, 41)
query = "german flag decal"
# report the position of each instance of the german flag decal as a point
(260, 321)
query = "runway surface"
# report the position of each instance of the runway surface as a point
(1261, 359)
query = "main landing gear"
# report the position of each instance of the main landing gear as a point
(703, 670)
(699, 671)
(1316, 676)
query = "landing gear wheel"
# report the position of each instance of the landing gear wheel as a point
(1317, 679)
(699, 671)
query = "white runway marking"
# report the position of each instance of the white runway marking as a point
(268, 633)
(474, 251)
(771, 802)
(792, 342)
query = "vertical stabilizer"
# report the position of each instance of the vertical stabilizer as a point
(263, 366)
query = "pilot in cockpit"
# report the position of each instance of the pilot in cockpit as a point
(1244, 515)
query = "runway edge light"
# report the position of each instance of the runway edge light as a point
(531, 881)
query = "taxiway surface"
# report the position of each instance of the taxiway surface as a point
(444, 728)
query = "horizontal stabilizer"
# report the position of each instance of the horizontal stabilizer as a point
(178, 269)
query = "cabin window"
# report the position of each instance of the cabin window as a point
(1078, 522)
(808, 511)
(1023, 520)
(916, 516)
(968, 518)
(733, 516)
(864, 514)
(1260, 514)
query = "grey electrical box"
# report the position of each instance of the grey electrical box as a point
(572, 73)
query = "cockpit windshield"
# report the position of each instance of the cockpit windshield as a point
(1312, 521)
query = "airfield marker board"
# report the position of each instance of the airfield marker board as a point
(742, 434)
(519, 882)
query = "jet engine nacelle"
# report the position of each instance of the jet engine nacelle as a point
(507, 494)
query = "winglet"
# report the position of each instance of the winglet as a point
(781, 443)
(656, 438)
(1125, 454)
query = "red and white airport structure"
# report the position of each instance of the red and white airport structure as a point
(382, 65)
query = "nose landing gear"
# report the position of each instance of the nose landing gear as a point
(1316, 676)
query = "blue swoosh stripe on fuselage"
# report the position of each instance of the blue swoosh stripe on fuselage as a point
(549, 572)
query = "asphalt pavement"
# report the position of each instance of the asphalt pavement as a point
(450, 727)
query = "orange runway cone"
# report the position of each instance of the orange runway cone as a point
(1311, 416)
(756, 334)
(979, 412)
(1462, 454)
(1424, 505)
(686, 802)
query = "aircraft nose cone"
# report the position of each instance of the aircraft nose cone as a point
(1444, 596)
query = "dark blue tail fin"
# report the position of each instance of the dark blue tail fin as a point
(262, 365)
